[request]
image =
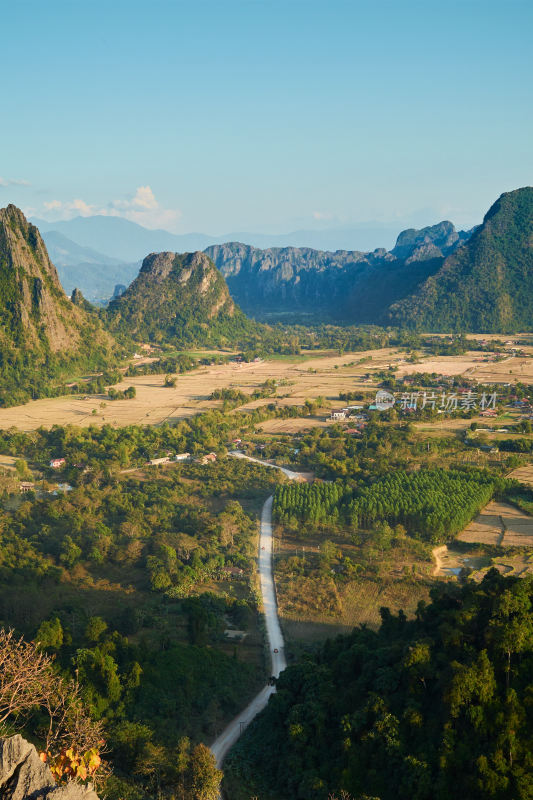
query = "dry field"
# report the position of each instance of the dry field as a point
(500, 524)
(319, 375)
(7, 462)
(523, 474)
(360, 602)
(298, 425)
(510, 370)
(316, 374)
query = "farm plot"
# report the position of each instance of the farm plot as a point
(523, 474)
(500, 524)
(324, 374)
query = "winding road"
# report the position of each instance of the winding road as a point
(231, 733)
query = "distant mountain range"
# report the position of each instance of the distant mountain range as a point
(435, 278)
(341, 286)
(82, 267)
(127, 241)
(95, 253)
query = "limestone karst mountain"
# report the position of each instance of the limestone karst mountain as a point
(180, 298)
(344, 286)
(485, 285)
(42, 333)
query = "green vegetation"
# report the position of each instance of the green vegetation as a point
(420, 501)
(487, 284)
(179, 299)
(43, 336)
(117, 394)
(131, 583)
(428, 709)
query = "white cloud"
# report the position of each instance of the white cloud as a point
(142, 207)
(144, 198)
(13, 182)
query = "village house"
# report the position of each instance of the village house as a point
(57, 463)
(207, 459)
(234, 572)
(26, 486)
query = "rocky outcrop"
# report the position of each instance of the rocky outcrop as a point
(23, 776)
(119, 289)
(441, 238)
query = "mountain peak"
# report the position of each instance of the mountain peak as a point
(487, 284)
(441, 236)
(177, 296)
(21, 246)
(36, 317)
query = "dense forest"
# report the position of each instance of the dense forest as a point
(420, 501)
(429, 709)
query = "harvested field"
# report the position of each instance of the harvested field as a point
(523, 474)
(309, 375)
(298, 425)
(442, 365)
(510, 370)
(319, 375)
(7, 462)
(500, 524)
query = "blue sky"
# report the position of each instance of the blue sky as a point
(261, 115)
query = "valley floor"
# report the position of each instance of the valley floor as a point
(316, 374)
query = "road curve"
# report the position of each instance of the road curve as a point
(293, 476)
(231, 733)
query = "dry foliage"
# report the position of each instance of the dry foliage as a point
(29, 683)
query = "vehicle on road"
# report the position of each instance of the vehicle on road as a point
(276, 650)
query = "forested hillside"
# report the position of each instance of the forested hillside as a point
(42, 334)
(431, 709)
(129, 582)
(181, 299)
(487, 285)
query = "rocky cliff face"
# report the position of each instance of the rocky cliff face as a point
(35, 314)
(177, 297)
(342, 285)
(23, 776)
